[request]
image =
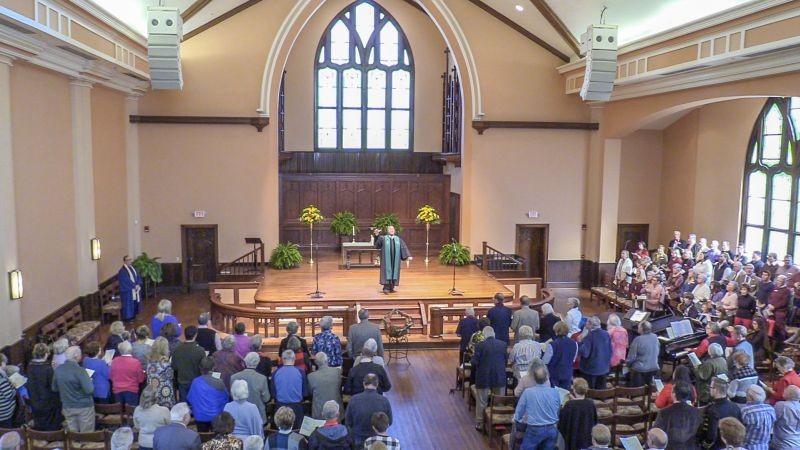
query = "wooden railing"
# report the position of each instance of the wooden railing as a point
(532, 287)
(493, 260)
(270, 323)
(250, 264)
(440, 316)
(232, 290)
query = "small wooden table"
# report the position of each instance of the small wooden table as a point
(360, 248)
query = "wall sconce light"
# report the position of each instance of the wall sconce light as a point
(95, 243)
(15, 284)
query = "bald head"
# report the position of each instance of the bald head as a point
(657, 438)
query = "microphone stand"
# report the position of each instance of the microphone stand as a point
(316, 293)
(453, 290)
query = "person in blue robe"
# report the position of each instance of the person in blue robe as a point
(130, 289)
(393, 250)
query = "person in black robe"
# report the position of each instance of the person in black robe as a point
(577, 417)
(393, 250)
(45, 404)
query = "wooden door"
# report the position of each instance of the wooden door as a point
(455, 216)
(531, 244)
(629, 236)
(200, 255)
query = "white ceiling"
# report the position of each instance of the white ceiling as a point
(134, 12)
(637, 19)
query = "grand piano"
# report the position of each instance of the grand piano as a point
(675, 334)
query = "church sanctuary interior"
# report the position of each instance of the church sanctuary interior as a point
(385, 224)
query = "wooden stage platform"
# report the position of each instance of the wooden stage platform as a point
(418, 282)
(267, 305)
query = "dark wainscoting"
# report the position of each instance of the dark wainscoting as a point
(365, 195)
(360, 162)
(172, 277)
(564, 273)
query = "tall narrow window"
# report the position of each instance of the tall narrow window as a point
(364, 80)
(770, 209)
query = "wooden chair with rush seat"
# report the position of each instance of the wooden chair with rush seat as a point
(498, 415)
(45, 440)
(88, 440)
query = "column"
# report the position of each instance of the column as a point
(83, 174)
(132, 177)
(10, 319)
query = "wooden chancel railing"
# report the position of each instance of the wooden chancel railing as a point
(230, 305)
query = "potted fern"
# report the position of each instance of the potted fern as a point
(344, 223)
(454, 253)
(382, 222)
(285, 256)
(311, 215)
(150, 271)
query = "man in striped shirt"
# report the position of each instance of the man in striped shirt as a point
(758, 418)
(7, 402)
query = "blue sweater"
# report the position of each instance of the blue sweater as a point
(100, 377)
(595, 352)
(560, 365)
(208, 397)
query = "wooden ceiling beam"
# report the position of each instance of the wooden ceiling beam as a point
(558, 24)
(416, 5)
(193, 9)
(520, 29)
(220, 19)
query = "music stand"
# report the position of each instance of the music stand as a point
(317, 293)
(453, 290)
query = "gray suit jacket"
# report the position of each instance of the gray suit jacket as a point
(325, 384)
(258, 388)
(358, 335)
(176, 436)
(524, 316)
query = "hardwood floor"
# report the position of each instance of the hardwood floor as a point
(426, 416)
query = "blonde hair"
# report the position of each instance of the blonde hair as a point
(164, 308)
(160, 350)
(117, 328)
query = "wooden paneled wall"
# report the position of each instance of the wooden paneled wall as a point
(365, 195)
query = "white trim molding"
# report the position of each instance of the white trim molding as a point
(717, 58)
(38, 44)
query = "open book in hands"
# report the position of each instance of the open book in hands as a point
(631, 443)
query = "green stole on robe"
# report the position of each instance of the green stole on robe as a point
(391, 259)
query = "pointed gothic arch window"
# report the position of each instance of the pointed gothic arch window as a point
(364, 83)
(770, 196)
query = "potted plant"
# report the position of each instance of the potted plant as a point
(311, 215)
(428, 215)
(382, 222)
(150, 271)
(285, 256)
(344, 223)
(454, 253)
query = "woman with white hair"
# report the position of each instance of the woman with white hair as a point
(619, 339)
(328, 342)
(148, 416)
(163, 317)
(372, 346)
(160, 373)
(788, 377)
(59, 347)
(126, 375)
(574, 316)
(253, 443)
(246, 416)
(122, 439)
(524, 352)
(713, 366)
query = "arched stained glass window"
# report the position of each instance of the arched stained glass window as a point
(771, 194)
(364, 80)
